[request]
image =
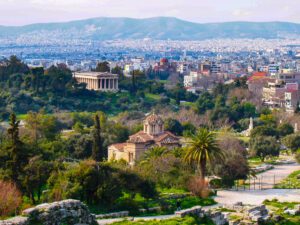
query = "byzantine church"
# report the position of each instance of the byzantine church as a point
(152, 135)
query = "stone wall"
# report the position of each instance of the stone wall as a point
(70, 212)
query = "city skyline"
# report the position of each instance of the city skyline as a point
(37, 11)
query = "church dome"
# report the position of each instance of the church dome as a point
(153, 119)
(153, 125)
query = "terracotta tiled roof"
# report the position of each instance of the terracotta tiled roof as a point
(119, 146)
(167, 136)
(140, 137)
(258, 75)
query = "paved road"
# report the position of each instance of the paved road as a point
(274, 176)
(255, 197)
(258, 196)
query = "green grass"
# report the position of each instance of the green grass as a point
(190, 104)
(165, 191)
(21, 116)
(154, 97)
(188, 220)
(256, 161)
(279, 207)
(290, 182)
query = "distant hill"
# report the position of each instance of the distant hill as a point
(161, 28)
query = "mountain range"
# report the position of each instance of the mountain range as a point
(159, 28)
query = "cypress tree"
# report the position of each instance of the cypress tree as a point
(16, 150)
(97, 151)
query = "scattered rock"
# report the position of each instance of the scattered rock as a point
(292, 212)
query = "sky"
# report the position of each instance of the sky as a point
(21, 12)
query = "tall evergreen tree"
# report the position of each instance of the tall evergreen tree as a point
(98, 151)
(17, 154)
(133, 83)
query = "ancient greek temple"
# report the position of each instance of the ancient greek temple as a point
(98, 81)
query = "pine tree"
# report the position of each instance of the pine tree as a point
(98, 151)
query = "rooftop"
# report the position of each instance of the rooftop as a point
(95, 74)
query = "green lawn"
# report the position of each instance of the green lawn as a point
(188, 220)
(152, 97)
(256, 161)
(190, 104)
(168, 191)
(291, 181)
(21, 116)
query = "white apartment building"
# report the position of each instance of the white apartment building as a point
(191, 79)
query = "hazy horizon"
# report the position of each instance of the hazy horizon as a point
(18, 12)
(66, 21)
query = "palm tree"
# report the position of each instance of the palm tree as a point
(154, 152)
(202, 149)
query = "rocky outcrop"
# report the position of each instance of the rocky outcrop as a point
(293, 212)
(258, 213)
(69, 212)
(218, 218)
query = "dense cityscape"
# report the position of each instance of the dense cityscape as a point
(129, 121)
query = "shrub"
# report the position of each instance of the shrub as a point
(198, 187)
(10, 198)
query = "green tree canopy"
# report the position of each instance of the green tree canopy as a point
(263, 146)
